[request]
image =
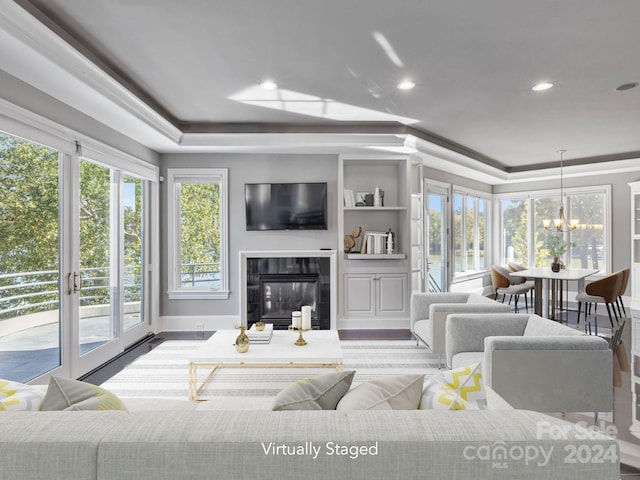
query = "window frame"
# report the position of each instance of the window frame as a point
(175, 177)
(531, 195)
(476, 195)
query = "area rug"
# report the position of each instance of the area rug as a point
(163, 372)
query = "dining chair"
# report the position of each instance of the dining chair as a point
(516, 267)
(504, 284)
(605, 290)
(623, 287)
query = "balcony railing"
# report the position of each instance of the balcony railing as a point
(31, 292)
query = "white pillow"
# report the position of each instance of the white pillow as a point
(397, 392)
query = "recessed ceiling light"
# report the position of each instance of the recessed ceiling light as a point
(626, 86)
(269, 85)
(406, 85)
(540, 87)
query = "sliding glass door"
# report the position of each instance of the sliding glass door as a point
(112, 262)
(30, 328)
(436, 237)
(73, 261)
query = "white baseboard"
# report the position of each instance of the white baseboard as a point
(193, 323)
(373, 323)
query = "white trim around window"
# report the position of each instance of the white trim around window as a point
(175, 177)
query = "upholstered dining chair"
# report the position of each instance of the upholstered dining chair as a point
(516, 267)
(605, 290)
(504, 284)
(623, 287)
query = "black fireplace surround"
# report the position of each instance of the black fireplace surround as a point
(276, 286)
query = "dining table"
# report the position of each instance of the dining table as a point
(546, 282)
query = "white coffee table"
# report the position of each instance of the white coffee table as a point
(322, 350)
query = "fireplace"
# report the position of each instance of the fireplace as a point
(277, 286)
(282, 293)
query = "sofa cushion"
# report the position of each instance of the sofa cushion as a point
(543, 327)
(459, 389)
(397, 392)
(322, 392)
(16, 396)
(68, 394)
(475, 298)
(466, 358)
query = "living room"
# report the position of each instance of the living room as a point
(107, 86)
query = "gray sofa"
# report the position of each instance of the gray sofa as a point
(534, 363)
(429, 313)
(248, 445)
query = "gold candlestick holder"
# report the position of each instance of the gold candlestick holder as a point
(300, 341)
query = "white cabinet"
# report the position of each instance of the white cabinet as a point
(634, 306)
(635, 245)
(375, 286)
(371, 294)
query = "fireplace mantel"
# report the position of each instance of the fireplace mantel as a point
(330, 254)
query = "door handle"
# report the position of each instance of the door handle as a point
(77, 282)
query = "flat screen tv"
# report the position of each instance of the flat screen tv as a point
(286, 206)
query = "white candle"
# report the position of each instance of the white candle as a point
(296, 319)
(306, 317)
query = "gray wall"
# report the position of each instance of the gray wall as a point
(29, 98)
(457, 180)
(243, 169)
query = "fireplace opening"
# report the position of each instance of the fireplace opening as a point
(277, 286)
(281, 294)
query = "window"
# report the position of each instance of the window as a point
(470, 217)
(524, 240)
(514, 213)
(197, 204)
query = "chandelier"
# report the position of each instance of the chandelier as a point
(561, 223)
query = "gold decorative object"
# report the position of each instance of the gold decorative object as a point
(300, 342)
(350, 240)
(259, 326)
(242, 341)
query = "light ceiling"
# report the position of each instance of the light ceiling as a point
(199, 65)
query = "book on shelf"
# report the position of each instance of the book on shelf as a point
(373, 243)
(349, 198)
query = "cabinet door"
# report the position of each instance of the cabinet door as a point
(391, 294)
(359, 295)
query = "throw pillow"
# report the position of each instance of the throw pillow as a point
(459, 389)
(316, 393)
(16, 396)
(398, 392)
(69, 394)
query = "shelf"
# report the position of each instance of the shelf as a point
(375, 256)
(374, 209)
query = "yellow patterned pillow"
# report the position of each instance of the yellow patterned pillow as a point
(459, 389)
(16, 396)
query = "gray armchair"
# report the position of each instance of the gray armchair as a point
(534, 363)
(429, 313)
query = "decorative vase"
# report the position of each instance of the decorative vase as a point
(260, 326)
(555, 265)
(242, 341)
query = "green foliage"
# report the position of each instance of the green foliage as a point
(28, 206)
(200, 223)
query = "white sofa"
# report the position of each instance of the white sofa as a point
(429, 313)
(534, 363)
(256, 445)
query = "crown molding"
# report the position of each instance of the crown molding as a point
(31, 48)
